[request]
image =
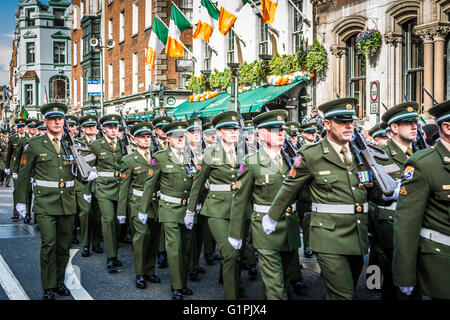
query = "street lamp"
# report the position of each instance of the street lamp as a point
(234, 101)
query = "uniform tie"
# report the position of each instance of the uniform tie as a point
(232, 157)
(56, 144)
(347, 161)
(279, 162)
(113, 145)
(146, 157)
(409, 152)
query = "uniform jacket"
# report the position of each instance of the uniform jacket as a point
(21, 143)
(424, 201)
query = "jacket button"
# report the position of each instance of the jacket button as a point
(62, 192)
(390, 217)
(184, 180)
(214, 195)
(359, 221)
(60, 168)
(232, 176)
(325, 180)
(185, 191)
(320, 224)
(349, 173)
(353, 188)
(438, 250)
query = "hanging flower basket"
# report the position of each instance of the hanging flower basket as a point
(368, 42)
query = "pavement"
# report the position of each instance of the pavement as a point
(88, 279)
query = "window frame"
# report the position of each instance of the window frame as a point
(353, 80)
(28, 52)
(297, 34)
(263, 43)
(231, 42)
(59, 54)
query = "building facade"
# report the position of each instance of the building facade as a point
(41, 65)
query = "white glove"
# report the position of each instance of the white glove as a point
(395, 194)
(121, 219)
(14, 176)
(22, 209)
(235, 243)
(92, 175)
(87, 197)
(406, 290)
(199, 207)
(32, 180)
(142, 217)
(189, 220)
(7, 171)
(268, 224)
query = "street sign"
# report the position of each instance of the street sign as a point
(94, 88)
(171, 100)
(374, 97)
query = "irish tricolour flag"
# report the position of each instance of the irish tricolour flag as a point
(209, 14)
(228, 14)
(268, 8)
(178, 23)
(156, 43)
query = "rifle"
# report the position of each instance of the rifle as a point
(99, 128)
(429, 94)
(387, 184)
(242, 147)
(81, 164)
(420, 143)
(288, 151)
(125, 142)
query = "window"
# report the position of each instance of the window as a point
(76, 20)
(148, 13)
(297, 30)
(356, 75)
(134, 19)
(28, 20)
(58, 17)
(183, 76)
(110, 81)
(186, 8)
(110, 28)
(28, 95)
(75, 91)
(121, 76)
(412, 63)
(75, 53)
(135, 72)
(59, 52)
(230, 46)
(58, 89)
(122, 26)
(30, 52)
(208, 54)
(263, 38)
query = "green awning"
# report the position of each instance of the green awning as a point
(251, 101)
(187, 108)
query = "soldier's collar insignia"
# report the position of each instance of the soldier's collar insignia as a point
(446, 159)
(325, 150)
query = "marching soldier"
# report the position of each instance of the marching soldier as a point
(4, 179)
(42, 129)
(45, 160)
(260, 178)
(171, 172)
(421, 223)
(378, 134)
(145, 228)
(89, 212)
(249, 131)
(72, 122)
(402, 120)
(220, 166)
(162, 144)
(108, 154)
(338, 189)
(209, 135)
(293, 130)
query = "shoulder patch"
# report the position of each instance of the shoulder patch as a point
(153, 161)
(242, 168)
(298, 160)
(26, 147)
(403, 191)
(409, 172)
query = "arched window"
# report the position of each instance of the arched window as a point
(59, 89)
(356, 75)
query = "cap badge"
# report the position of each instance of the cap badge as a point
(164, 121)
(90, 119)
(113, 118)
(349, 107)
(279, 118)
(180, 127)
(233, 118)
(410, 109)
(55, 109)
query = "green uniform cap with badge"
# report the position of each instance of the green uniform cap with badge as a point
(271, 119)
(208, 128)
(161, 121)
(194, 124)
(403, 112)
(227, 119)
(339, 109)
(141, 128)
(41, 126)
(87, 121)
(53, 110)
(72, 120)
(441, 112)
(377, 131)
(309, 127)
(20, 123)
(110, 120)
(32, 123)
(175, 128)
(248, 125)
(384, 125)
(132, 122)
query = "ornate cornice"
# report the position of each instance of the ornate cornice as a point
(393, 39)
(338, 51)
(436, 31)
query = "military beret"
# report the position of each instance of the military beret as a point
(208, 128)
(91, 120)
(177, 127)
(194, 124)
(110, 119)
(32, 123)
(309, 127)
(339, 109)
(441, 111)
(227, 119)
(271, 119)
(141, 128)
(72, 120)
(161, 121)
(55, 109)
(406, 111)
(20, 122)
(377, 131)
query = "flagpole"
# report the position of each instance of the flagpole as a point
(271, 29)
(180, 41)
(299, 11)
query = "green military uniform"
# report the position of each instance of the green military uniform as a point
(54, 200)
(421, 222)
(4, 178)
(171, 173)
(160, 122)
(106, 187)
(260, 178)
(338, 189)
(134, 172)
(293, 129)
(89, 213)
(221, 171)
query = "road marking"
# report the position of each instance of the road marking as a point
(10, 284)
(72, 280)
